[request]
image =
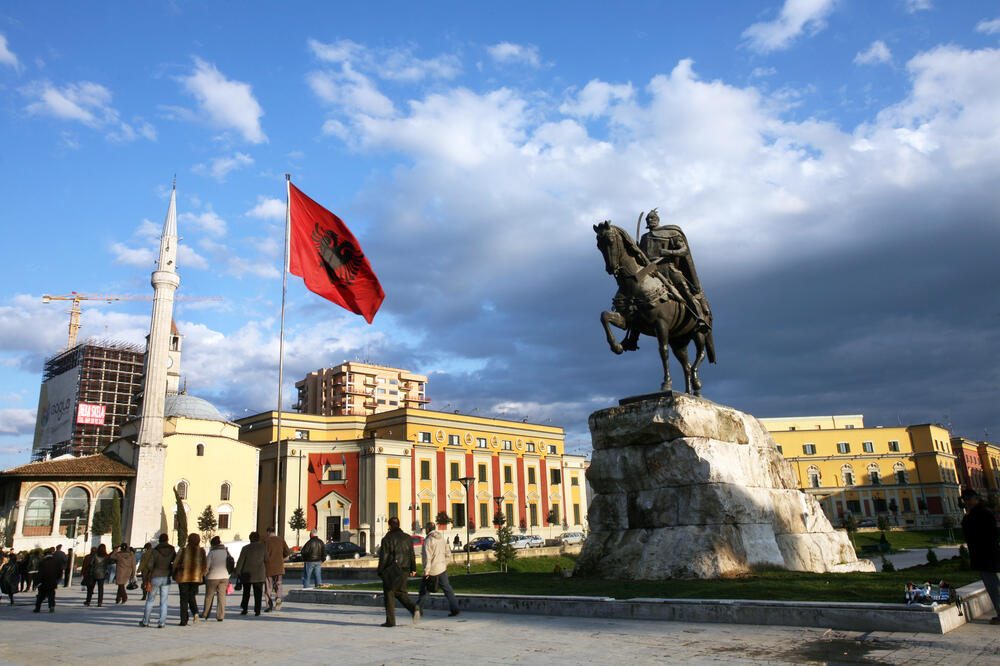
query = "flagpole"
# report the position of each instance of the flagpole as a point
(281, 351)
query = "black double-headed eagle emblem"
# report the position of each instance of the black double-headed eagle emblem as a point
(342, 260)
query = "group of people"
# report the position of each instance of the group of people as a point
(41, 571)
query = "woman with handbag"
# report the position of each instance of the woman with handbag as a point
(95, 573)
(217, 579)
(251, 569)
(189, 571)
(124, 571)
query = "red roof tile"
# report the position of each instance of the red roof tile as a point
(99, 465)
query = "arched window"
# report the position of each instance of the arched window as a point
(106, 499)
(225, 513)
(814, 476)
(899, 471)
(847, 474)
(224, 494)
(874, 475)
(182, 489)
(75, 511)
(39, 512)
(201, 449)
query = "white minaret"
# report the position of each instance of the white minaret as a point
(146, 492)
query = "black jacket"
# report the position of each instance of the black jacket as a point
(314, 550)
(980, 528)
(49, 572)
(396, 559)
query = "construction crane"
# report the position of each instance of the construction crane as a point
(75, 299)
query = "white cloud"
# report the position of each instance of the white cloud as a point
(268, 209)
(988, 27)
(87, 103)
(913, 6)
(397, 64)
(761, 72)
(220, 167)
(876, 54)
(796, 17)
(188, 258)
(352, 91)
(224, 103)
(337, 52)
(17, 421)
(7, 57)
(133, 256)
(207, 220)
(506, 52)
(596, 97)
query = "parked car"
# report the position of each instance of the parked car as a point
(571, 537)
(481, 543)
(520, 541)
(535, 541)
(867, 522)
(344, 550)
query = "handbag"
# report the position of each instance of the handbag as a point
(230, 589)
(432, 583)
(147, 585)
(132, 585)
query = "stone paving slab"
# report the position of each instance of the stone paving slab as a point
(110, 636)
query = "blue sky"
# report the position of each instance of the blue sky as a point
(834, 164)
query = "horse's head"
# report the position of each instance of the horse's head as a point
(609, 244)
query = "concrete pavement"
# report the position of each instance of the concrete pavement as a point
(352, 635)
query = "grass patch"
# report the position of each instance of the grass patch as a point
(909, 539)
(534, 576)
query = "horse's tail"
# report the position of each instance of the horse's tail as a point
(710, 346)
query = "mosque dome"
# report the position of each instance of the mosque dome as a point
(191, 407)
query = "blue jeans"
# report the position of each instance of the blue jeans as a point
(445, 587)
(311, 571)
(992, 588)
(161, 583)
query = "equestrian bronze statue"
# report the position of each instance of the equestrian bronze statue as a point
(659, 295)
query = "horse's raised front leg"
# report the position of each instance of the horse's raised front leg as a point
(681, 352)
(609, 319)
(663, 341)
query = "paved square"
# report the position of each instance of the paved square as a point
(352, 635)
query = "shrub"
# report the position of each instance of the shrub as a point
(932, 557)
(887, 565)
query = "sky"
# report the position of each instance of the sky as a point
(833, 163)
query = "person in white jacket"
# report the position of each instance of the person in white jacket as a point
(435, 555)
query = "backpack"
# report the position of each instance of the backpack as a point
(230, 563)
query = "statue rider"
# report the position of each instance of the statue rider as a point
(667, 248)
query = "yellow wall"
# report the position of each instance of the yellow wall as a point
(815, 422)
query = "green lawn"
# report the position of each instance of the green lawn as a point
(534, 576)
(910, 539)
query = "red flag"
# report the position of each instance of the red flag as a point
(325, 254)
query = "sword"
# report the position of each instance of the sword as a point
(638, 225)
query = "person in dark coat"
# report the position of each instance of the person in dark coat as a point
(980, 528)
(48, 576)
(313, 554)
(8, 577)
(97, 570)
(396, 563)
(62, 560)
(251, 569)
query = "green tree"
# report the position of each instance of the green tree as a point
(207, 524)
(504, 550)
(180, 520)
(932, 557)
(499, 518)
(850, 524)
(297, 522)
(882, 522)
(887, 565)
(116, 520)
(102, 522)
(948, 523)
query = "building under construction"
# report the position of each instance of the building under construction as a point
(87, 393)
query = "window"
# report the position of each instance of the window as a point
(843, 447)
(454, 440)
(574, 480)
(847, 473)
(380, 380)
(808, 449)
(480, 442)
(531, 447)
(899, 471)
(854, 506)
(533, 514)
(425, 437)
(224, 492)
(880, 505)
(458, 515)
(484, 514)
(555, 477)
(874, 475)
(301, 434)
(393, 402)
(393, 510)
(392, 472)
(224, 521)
(200, 450)
(392, 381)
(868, 447)
(814, 477)
(182, 489)
(849, 427)
(425, 513)
(555, 510)
(455, 473)
(552, 449)
(576, 514)
(507, 474)
(482, 473)
(333, 473)
(425, 472)
(780, 450)
(894, 445)
(381, 402)
(506, 445)
(531, 476)
(906, 504)
(509, 512)
(75, 511)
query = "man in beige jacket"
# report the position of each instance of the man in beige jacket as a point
(435, 556)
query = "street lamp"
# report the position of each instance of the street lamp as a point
(498, 500)
(467, 481)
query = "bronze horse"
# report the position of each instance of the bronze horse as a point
(645, 302)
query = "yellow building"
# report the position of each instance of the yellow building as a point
(989, 456)
(208, 464)
(907, 473)
(351, 473)
(361, 389)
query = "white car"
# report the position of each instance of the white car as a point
(571, 537)
(520, 541)
(535, 541)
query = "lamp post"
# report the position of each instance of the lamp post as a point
(498, 500)
(467, 481)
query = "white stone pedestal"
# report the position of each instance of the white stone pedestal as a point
(686, 488)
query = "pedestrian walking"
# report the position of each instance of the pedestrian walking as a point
(47, 579)
(313, 554)
(980, 528)
(61, 559)
(98, 571)
(277, 551)
(138, 564)
(156, 566)
(189, 572)
(23, 577)
(220, 566)
(124, 571)
(435, 556)
(457, 543)
(252, 571)
(396, 563)
(8, 577)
